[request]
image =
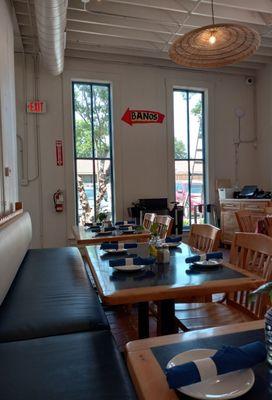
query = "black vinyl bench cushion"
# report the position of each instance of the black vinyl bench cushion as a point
(80, 366)
(50, 295)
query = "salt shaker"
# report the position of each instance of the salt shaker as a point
(163, 255)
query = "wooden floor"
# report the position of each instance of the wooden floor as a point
(124, 324)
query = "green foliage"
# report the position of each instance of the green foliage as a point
(154, 229)
(102, 216)
(83, 139)
(180, 151)
(84, 99)
(197, 110)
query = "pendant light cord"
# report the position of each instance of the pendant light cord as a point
(212, 12)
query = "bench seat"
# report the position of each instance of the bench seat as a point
(80, 366)
(50, 295)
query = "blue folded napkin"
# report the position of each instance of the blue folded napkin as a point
(173, 239)
(118, 246)
(203, 257)
(130, 222)
(100, 229)
(227, 359)
(92, 226)
(125, 228)
(132, 261)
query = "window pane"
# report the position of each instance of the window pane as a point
(92, 123)
(85, 190)
(101, 121)
(195, 118)
(103, 187)
(189, 174)
(182, 188)
(82, 116)
(197, 185)
(180, 124)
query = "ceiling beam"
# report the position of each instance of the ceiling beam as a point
(81, 40)
(149, 36)
(194, 21)
(221, 11)
(250, 5)
(127, 9)
(102, 40)
(108, 55)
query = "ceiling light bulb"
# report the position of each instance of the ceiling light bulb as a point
(212, 39)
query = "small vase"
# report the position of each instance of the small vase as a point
(268, 335)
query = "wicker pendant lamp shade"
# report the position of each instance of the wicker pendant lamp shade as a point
(215, 46)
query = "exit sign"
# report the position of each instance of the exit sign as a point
(36, 107)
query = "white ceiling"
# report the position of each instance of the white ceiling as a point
(144, 28)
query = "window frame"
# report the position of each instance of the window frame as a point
(188, 159)
(93, 158)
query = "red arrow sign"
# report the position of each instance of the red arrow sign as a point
(142, 117)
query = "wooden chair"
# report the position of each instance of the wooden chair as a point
(204, 237)
(250, 251)
(245, 221)
(268, 211)
(165, 223)
(149, 219)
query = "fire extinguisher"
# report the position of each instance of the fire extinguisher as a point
(58, 200)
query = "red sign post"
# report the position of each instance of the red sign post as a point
(59, 153)
(132, 117)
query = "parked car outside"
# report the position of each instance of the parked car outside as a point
(182, 194)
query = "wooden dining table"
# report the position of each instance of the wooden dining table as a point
(147, 359)
(85, 237)
(162, 283)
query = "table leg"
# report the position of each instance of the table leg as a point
(143, 320)
(166, 324)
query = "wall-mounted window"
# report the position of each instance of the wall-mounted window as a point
(189, 150)
(93, 150)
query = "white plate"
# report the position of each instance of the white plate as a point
(113, 251)
(209, 263)
(222, 387)
(128, 268)
(174, 244)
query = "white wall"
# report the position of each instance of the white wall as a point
(8, 147)
(143, 154)
(264, 118)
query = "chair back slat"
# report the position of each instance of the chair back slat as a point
(252, 252)
(204, 237)
(248, 220)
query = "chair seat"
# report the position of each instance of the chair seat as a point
(207, 315)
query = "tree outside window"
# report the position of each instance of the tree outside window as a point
(93, 152)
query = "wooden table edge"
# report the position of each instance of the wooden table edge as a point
(101, 239)
(166, 292)
(144, 344)
(146, 373)
(156, 293)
